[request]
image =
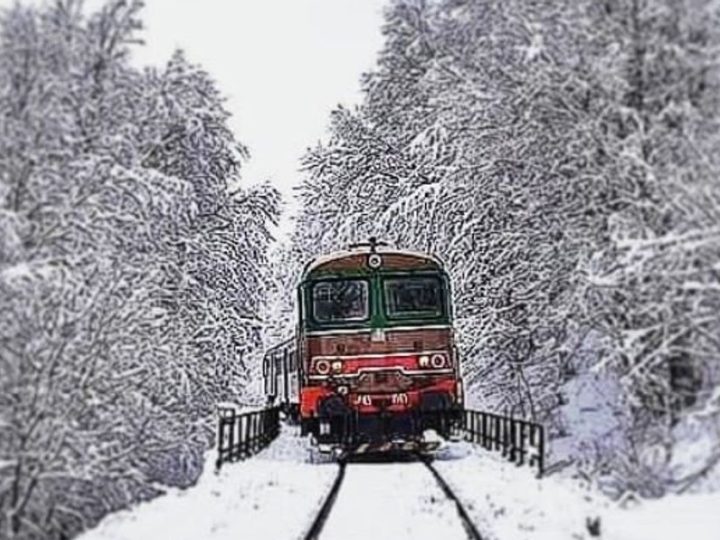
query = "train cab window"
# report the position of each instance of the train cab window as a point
(278, 365)
(340, 300)
(414, 297)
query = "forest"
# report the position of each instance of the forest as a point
(560, 156)
(132, 267)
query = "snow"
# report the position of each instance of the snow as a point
(392, 500)
(275, 494)
(509, 502)
(238, 408)
(692, 516)
(535, 48)
(27, 271)
(594, 418)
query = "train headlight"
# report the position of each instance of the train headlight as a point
(337, 366)
(374, 261)
(322, 367)
(438, 361)
(424, 361)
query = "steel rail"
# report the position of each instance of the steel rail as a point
(468, 525)
(324, 512)
(321, 517)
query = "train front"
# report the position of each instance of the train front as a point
(380, 370)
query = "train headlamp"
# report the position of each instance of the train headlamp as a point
(374, 261)
(337, 366)
(438, 361)
(322, 367)
(424, 361)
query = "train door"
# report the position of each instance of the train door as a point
(293, 377)
(277, 363)
(270, 377)
(286, 374)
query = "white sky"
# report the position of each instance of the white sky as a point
(283, 64)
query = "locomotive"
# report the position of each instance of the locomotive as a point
(373, 364)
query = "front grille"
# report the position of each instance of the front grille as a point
(384, 382)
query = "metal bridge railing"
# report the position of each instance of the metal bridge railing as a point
(242, 434)
(520, 441)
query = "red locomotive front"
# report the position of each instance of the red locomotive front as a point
(375, 342)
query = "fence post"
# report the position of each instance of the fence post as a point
(231, 435)
(521, 442)
(513, 440)
(248, 436)
(495, 421)
(541, 450)
(265, 427)
(260, 432)
(486, 442)
(253, 433)
(221, 430)
(241, 435)
(504, 422)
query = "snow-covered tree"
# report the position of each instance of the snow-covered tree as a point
(559, 157)
(475, 142)
(654, 289)
(131, 276)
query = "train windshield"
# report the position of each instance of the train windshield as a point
(414, 297)
(340, 300)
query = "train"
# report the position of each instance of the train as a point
(373, 362)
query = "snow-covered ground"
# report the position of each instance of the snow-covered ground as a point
(276, 495)
(507, 502)
(392, 500)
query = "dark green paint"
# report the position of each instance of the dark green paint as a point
(378, 317)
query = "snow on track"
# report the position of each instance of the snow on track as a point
(278, 494)
(319, 521)
(394, 500)
(273, 495)
(468, 523)
(507, 502)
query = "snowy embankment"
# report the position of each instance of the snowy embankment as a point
(277, 494)
(507, 502)
(274, 494)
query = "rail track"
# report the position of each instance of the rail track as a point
(467, 523)
(316, 528)
(321, 517)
